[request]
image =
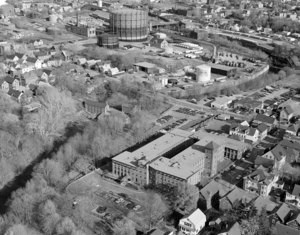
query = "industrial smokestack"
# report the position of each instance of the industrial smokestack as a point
(99, 3)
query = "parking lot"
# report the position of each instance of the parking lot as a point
(103, 201)
(188, 111)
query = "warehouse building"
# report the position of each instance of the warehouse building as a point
(222, 70)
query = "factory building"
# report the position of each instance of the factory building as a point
(222, 70)
(203, 73)
(84, 30)
(176, 157)
(129, 24)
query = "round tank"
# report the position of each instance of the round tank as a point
(203, 73)
(108, 41)
(129, 24)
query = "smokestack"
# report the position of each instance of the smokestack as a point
(99, 3)
(77, 18)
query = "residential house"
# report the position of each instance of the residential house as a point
(12, 58)
(211, 193)
(238, 130)
(286, 114)
(54, 61)
(193, 224)
(262, 130)
(80, 61)
(261, 118)
(221, 102)
(235, 197)
(293, 129)
(227, 228)
(15, 94)
(252, 135)
(37, 43)
(10, 83)
(294, 221)
(281, 215)
(42, 55)
(46, 74)
(66, 55)
(263, 202)
(294, 197)
(260, 181)
(34, 63)
(159, 43)
(275, 158)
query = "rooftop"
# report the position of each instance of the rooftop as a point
(222, 141)
(214, 187)
(183, 165)
(151, 151)
(145, 65)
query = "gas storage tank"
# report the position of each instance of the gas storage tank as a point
(203, 73)
(129, 24)
(108, 41)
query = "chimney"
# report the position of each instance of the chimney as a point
(99, 3)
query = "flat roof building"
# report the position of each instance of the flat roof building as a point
(135, 164)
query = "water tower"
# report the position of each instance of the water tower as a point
(203, 73)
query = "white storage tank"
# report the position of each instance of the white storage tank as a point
(203, 73)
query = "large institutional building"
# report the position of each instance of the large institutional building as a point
(176, 157)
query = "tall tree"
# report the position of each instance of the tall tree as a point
(187, 197)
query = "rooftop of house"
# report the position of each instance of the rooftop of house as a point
(265, 119)
(214, 187)
(239, 194)
(283, 212)
(93, 103)
(292, 106)
(262, 127)
(296, 190)
(145, 65)
(222, 100)
(197, 217)
(249, 103)
(262, 175)
(183, 165)
(151, 151)
(14, 93)
(263, 202)
(290, 144)
(222, 141)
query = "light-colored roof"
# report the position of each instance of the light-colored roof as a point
(293, 105)
(240, 195)
(145, 65)
(261, 202)
(151, 151)
(197, 217)
(222, 100)
(183, 165)
(222, 141)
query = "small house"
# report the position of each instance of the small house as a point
(193, 224)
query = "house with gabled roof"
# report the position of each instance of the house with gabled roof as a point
(262, 130)
(15, 94)
(294, 221)
(193, 223)
(237, 195)
(261, 118)
(263, 202)
(46, 74)
(159, 43)
(286, 114)
(260, 181)
(281, 215)
(252, 134)
(293, 129)
(35, 63)
(276, 156)
(10, 83)
(294, 196)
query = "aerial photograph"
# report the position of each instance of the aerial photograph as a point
(149, 117)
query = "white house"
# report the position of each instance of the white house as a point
(192, 224)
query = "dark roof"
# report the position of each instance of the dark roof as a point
(265, 119)
(286, 230)
(278, 152)
(296, 190)
(293, 127)
(262, 127)
(235, 137)
(14, 93)
(251, 131)
(9, 79)
(19, 55)
(31, 60)
(47, 71)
